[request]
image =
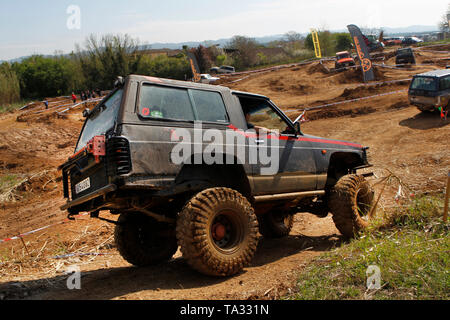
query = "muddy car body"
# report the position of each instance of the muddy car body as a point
(124, 163)
(431, 90)
(405, 56)
(343, 60)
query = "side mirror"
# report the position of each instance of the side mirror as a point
(297, 128)
(86, 113)
(119, 82)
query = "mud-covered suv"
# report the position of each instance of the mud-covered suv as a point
(431, 90)
(405, 56)
(205, 168)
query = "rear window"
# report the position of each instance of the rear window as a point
(444, 84)
(101, 120)
(177, 104)
(424, 83)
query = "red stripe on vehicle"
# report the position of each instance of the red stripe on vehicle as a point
(349, 144)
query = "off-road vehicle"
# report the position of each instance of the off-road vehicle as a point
(431, 90)
(405, 56)
(213, 210)
(344, 60)
(222, 70)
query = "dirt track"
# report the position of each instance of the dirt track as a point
(413, 145)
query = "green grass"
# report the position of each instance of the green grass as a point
(13, 106)
(411, 247)
(4, 256)
(7, 181)
(446, 41)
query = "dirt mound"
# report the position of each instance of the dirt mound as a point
(444, 47)
(318, 68)
(36, 183)
(443, 63)
(46, 117)
(359, 92)
(282, 85)
(336, 112)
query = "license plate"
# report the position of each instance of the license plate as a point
(83, 185)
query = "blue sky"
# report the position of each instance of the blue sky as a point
(28, 27)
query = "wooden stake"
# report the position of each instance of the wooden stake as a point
(23, 242)
(447, 194)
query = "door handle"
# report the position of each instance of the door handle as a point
(260, 141)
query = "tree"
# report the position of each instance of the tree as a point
(204, 59)
(42, 77)
(246, 51)
(343, 42)
(104, 59)
(164, 67)
(444, 24)
(327, 43)
(9, 85)
(292, 37)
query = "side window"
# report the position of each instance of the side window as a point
(210, 106)
(165, 103)
(259, 114)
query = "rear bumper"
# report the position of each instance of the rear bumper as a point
(99, 193)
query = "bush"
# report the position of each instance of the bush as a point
(164, 67)
(42, 77)
(9, 85)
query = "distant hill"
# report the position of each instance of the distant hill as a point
(266, 39)
(412, 29)
(416, 29)
(221, 42)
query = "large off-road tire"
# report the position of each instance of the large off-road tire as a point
(350, 202)
(218, 232)
(275, 224)
(143, 241)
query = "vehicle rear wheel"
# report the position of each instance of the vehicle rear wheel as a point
(350, 202)
(276, 225)
(143, 241)
(218, 232)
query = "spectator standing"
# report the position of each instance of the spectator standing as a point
(74, 98)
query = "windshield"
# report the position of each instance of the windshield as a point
(101, 120)
(424, 83)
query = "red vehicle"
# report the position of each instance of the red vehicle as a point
(392, 42)
(343, 60)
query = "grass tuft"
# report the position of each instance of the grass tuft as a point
(411, 247)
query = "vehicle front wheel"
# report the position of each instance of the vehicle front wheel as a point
(143, 241)
(218, 232)
(350, 202)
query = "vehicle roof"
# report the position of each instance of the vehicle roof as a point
(189, 84)
(249, 94)
(435, 73)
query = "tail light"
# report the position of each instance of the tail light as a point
(118, 155)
